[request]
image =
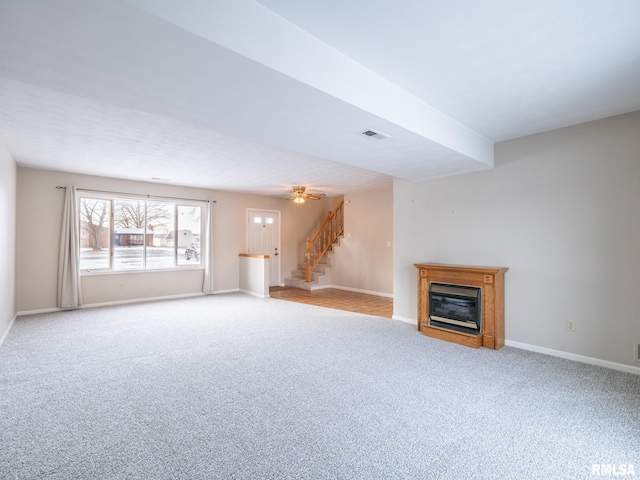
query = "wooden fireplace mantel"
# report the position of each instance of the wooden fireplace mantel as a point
(491, 282)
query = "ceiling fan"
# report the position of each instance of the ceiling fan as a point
(299, 196)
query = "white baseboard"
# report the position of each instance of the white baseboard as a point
(41, 310)
(139, 300)
(6, 332)
(358, 290)
(576, 358)
(254, 294)
(410, 321)
(231, 290)
(556, 353)
(115, 302)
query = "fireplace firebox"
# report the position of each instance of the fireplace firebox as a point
(456, 307)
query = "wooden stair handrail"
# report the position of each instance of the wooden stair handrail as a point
(317, 246)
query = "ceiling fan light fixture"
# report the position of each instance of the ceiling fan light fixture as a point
(299, 194)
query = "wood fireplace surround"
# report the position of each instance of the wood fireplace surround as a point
(491, 282)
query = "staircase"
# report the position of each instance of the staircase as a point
(298, 277)
(316, 258)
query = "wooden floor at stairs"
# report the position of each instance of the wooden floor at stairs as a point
(338, 299)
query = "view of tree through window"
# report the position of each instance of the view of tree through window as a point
(95, 215)
(138, 234)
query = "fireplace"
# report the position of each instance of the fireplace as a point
(456, 307)
(462, 304)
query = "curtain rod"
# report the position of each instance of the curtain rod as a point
(138, 195)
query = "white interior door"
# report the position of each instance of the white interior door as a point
(263, 238)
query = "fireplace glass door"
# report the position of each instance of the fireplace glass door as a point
(456, 307)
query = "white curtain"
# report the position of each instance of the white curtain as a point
(207, 284)
(69, 288)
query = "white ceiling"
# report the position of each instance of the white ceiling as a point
(258, 96)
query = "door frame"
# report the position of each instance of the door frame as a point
(277, 213)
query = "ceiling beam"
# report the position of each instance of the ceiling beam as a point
(255, 32)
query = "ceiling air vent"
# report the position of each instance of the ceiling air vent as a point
(375, 134)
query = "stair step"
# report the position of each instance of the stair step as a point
(298, 283)
(320, 268)
(302, 274)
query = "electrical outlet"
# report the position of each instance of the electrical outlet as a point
(636, 353)
(571, 325)
(121, 286)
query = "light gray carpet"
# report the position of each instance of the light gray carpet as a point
(232, 386)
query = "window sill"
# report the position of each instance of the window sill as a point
(91, 273)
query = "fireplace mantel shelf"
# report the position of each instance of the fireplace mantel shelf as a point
(489, 279)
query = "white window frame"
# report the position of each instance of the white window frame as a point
(176, 202)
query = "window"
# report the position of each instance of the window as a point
(124, 234)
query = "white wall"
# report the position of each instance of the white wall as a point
(363, 261)
(561, 209)
(7, 239)
(39, 207)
